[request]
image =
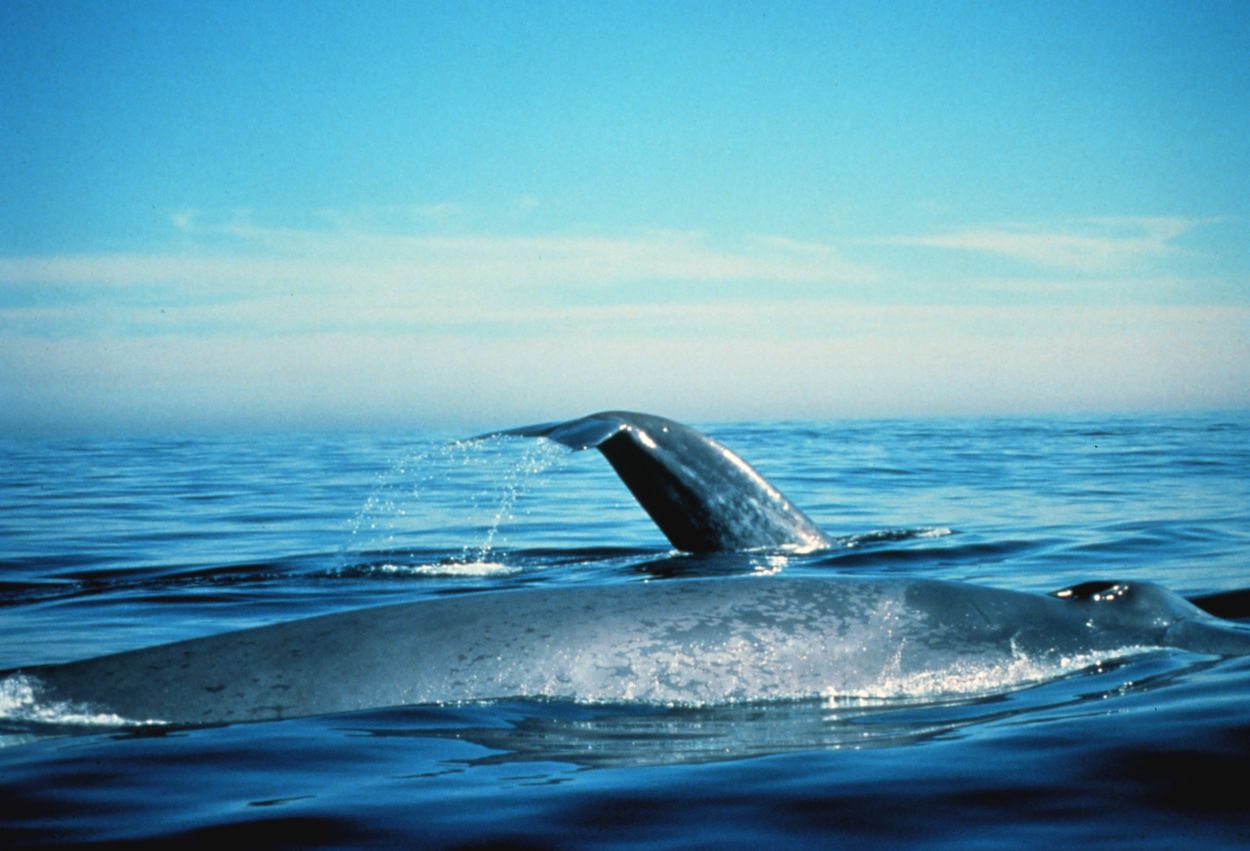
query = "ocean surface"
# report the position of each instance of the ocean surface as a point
(119, 543)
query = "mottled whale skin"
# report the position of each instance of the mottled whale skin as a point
(681, 641)
(701, 641)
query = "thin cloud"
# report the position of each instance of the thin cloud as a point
(1085, 245)
(414, 313)
(1160, 357)
(255, 255)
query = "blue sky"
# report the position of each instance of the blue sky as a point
(469, 214)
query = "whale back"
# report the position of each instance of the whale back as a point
(697, 642)
(694, 642)
(703, 496)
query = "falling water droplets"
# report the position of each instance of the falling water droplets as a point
(435, 498)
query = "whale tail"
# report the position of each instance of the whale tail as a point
(703, 497)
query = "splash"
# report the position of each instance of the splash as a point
(662, 680)
(977, 678)
(436, 498)
(890, 535)
(21, 700)
(470, 569)
(517, 478)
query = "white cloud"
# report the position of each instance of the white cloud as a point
(358, 324)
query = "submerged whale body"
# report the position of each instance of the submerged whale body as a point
(688, 641)
(701, 641)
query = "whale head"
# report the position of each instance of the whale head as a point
(1151, 615)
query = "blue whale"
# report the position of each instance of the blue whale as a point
(696, 642)
(685, 641)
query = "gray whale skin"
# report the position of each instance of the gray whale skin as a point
(683, 641)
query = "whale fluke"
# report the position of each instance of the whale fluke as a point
(703, 497)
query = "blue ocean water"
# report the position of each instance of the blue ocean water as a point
(112, 544)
